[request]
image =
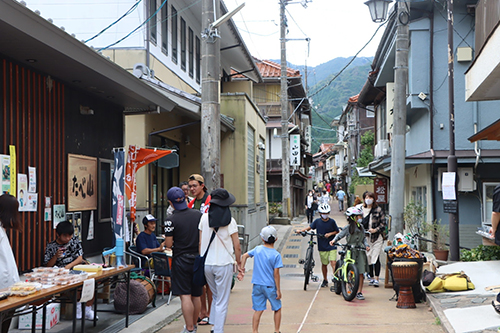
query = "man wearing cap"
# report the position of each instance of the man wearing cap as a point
(199, 191)
(146, 242)
(181, 234)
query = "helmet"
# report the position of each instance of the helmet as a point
(353, 211)
(324, 208)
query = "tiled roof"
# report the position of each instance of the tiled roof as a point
(270, 69)
(354, 99)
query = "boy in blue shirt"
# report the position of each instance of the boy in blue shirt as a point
(265, 278)
(326, 228)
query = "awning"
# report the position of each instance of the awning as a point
(363, 173)
(491, 132)
(277, 124)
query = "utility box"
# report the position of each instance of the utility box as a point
(465, 180)
(464, 54)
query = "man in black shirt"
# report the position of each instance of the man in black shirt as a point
(182, 235)
(495, 231)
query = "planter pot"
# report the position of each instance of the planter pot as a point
(441, 254)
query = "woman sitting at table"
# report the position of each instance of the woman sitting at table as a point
(66, 251)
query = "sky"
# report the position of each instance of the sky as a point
(337, 28)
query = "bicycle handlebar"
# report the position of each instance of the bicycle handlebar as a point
(348, 246)
(305, 233)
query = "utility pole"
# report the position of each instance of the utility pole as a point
(452, 159)
(210, 106)
(396, 207)
(285, 165)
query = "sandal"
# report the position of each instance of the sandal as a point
(204, 321)
(496, 306)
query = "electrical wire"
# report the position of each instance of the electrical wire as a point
(295, 22)
(129, 34)
(350, 62)
(131, 9)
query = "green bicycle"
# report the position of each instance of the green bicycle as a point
(346, 276)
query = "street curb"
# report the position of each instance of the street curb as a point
(438, 312)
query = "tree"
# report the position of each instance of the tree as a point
(365, 157)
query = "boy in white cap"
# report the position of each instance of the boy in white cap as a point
(265, 278)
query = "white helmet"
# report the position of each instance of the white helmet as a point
(324, 208)
(353, 211)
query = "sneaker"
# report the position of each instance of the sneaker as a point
(360, 296)
(89, 313)
(185, 330)
(324, 284)
(372, 282)
(375, 283)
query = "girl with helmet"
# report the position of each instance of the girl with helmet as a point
(326, 228)
(355, 236)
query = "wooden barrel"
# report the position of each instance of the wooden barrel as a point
(405, 275)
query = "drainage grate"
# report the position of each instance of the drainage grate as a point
(290, 255)
(293, 247)
(294, 240)
(296, 235)
(289, 266)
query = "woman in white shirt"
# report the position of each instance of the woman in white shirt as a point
(9, 219)
(223, 253)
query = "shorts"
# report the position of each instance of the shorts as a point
(182, 276)
(260, 294)
(327, 256)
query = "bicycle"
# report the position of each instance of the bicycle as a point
(346, 275)
(309, 260)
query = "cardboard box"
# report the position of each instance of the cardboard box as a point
(52, 318)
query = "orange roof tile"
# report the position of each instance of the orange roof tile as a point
(354, 99)
(270, 69)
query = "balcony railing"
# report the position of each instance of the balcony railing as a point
(487, 18)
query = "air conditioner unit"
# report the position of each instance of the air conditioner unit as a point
(384, 147)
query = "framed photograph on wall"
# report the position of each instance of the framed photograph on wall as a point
(82, 183)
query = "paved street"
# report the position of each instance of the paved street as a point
(318, 309)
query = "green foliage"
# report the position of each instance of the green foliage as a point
(331, 100)
(275, 208)
(365, 157)
(414, 216)
(440, 233)
(481, 253)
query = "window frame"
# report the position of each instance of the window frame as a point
(191, 52)
(183, 44)
(485, 207)
(174, 27)
(198, 59)
(153, 33)
(164, 30)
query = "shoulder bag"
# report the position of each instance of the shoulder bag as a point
(199, 266)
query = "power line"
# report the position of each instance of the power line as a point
(112, 24)
(350, 62)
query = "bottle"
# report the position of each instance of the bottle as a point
(112, 260)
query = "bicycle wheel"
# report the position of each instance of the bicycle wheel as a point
(307, 267)
(337, 288)
(351, 283)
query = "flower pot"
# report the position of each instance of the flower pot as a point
(441, 254)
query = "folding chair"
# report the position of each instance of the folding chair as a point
(139, 260)
(162, 272)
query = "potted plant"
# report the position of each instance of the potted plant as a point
(440, 234)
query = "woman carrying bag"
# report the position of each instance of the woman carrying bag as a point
(374, 223)
(223, 253)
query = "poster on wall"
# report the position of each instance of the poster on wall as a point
(32, 179)
(47, 209)
(59, 214)
(13, 169)
(82, 177)
(31, 202)
(22, 191)
(76, 220)
(5, 165)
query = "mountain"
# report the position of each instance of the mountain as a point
(330, 100)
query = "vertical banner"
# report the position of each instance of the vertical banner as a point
(138, 157)
(5, 168)
(295, 150)
(308, 138)
(118, 188)
(13, 170)
(22, 191)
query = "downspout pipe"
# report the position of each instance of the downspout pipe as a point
(477, 150)
(431, 112)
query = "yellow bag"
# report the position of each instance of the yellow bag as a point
(436, 285)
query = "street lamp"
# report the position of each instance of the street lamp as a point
(378, 9)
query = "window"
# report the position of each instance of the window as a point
(198, 60)
(164, 29)
(152, 21)
(370, 112)
(488, 201)
(191, 52)
(174, 34)
(251, 165)
(183, 44)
